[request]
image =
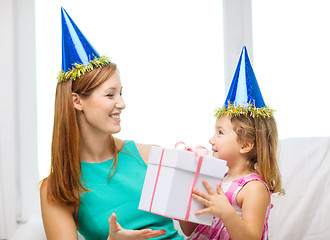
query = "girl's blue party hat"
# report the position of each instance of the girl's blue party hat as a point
(78, 55)
(244, 95)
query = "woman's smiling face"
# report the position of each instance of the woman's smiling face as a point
(102, 108)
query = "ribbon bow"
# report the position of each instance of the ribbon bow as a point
(194, 149)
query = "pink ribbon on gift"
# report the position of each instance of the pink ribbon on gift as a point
(159, 166)
(194, 149)
(199, 158)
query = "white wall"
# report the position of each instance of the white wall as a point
(291, 62)
(8, 134)
(18, 122)
(237, 32)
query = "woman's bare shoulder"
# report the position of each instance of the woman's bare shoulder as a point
(144, 150)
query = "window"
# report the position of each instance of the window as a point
(291, 62)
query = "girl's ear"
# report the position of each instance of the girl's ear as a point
(246, 147)
(77, 102)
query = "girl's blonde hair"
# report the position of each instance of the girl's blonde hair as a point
(262, 132)
(64, 181)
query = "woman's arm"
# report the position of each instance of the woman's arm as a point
(57, 218)
(116, 232)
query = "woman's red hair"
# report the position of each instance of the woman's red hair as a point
(64, 181)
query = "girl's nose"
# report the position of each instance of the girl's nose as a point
(211, 141)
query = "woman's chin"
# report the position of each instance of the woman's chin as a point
(115, 130)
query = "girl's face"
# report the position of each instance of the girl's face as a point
(225, 143)
(101, 110)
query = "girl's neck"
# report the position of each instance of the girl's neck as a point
(94, 148)
(237, 172)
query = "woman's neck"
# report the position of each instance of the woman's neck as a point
(94, 147)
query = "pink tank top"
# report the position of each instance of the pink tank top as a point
(217, 231)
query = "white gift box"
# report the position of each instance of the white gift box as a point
(170, 178)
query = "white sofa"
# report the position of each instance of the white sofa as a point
(302, 214)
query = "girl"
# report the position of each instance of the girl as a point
(246, 137)
(94, 175)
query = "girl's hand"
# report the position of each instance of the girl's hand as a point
(116, 232)
(216, 203)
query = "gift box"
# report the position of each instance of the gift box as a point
(171, 176)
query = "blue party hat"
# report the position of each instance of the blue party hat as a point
(78, 55)
(244, 95)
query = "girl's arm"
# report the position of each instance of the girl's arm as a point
(254, 200)
(187, 227)
(57, 218)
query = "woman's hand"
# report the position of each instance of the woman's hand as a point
(216, 203)
(116, 232)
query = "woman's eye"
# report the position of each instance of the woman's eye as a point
(109, 95)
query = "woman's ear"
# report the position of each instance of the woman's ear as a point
(246, 147)
(77, 102)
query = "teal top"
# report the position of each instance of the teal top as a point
(121, 195)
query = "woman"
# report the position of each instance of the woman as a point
(94, 175)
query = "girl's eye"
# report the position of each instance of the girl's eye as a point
(109, 95)
(220, 132)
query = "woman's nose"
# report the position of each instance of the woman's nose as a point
(120, 103)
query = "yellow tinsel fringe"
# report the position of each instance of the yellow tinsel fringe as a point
(250, 110)
(80, 69)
